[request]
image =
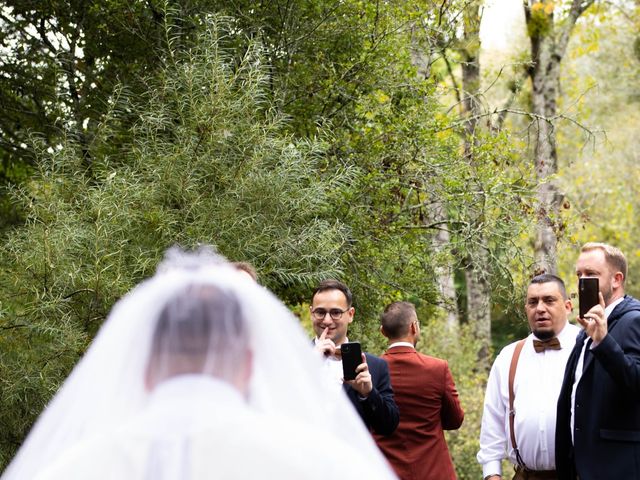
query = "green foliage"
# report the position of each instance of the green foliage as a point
(600, 175)
(210, 163)
(213, 159)
(349, 67)
(62, 62)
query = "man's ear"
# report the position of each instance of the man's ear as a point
(382, 331)
(618, 278)
(351, 312)
(413, 329)
(568, 305)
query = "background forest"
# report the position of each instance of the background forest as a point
(372, 141)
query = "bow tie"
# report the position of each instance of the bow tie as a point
(337, 354)
(551, 344)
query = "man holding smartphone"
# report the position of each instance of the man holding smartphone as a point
(598, 430)
(370, 391)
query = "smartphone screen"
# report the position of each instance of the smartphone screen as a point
(351, 358)
(587, 294)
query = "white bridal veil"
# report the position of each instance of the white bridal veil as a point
(107, 387)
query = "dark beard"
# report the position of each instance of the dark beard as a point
(544, 335)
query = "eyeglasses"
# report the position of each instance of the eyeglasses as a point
(334, 313)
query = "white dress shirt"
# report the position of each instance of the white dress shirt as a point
(333, 370)
(401, 344)
(536, 386)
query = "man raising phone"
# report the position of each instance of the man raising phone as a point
(370, 392)
(598, 429)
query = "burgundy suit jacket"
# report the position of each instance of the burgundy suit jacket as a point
(428, 401)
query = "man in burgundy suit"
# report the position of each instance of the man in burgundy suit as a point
(426, 396)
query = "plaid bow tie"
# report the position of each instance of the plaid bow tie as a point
(337, 354)
(552, 344)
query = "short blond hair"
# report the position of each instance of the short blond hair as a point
(612, 255)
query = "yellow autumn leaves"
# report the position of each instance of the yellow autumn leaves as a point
(543, 7)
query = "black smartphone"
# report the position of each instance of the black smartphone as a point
(588, 289)
(351, 358)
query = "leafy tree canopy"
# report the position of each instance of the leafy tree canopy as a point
(209, 163)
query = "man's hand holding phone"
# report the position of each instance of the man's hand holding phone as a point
(595, 322)
(362, 383)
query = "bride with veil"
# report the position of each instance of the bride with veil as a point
(198, 373)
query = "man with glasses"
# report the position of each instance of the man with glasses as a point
(370, 392)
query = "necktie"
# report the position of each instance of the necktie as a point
(587, 354)
(552, 344)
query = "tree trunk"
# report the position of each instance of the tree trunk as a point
(441, 241)
(479, 303)
(444, 271)
(475, 265)
(545, 78)
(548, 45)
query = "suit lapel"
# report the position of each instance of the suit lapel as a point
(574, 358)
(588, 356)
(347, 389)
(612, 322)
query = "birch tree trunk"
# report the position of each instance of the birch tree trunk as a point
(441, 241)
(549, 39)
(476, 261)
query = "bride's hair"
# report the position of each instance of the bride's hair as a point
(201, 330)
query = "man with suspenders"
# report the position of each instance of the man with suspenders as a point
(519, 418)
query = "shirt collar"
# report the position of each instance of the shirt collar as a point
(609, 308)
(566, 336)
(400, 344)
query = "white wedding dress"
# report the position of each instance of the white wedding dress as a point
(105, 424)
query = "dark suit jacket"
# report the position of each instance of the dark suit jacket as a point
(607, 405)
(379, 411)
(428, 402)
